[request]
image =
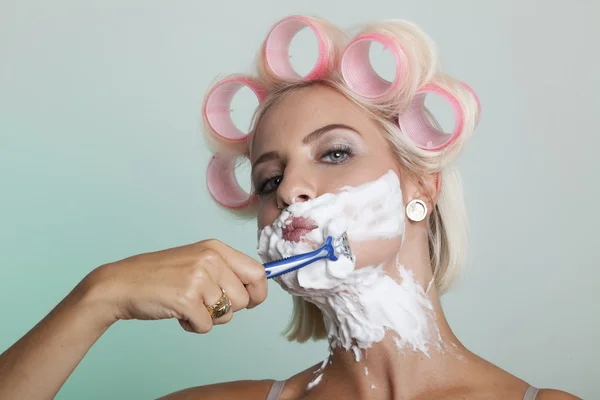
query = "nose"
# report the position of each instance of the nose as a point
(294, 188)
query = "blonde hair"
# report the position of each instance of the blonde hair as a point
(447, 224)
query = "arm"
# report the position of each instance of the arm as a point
(176, 283)
(247, 390)
(38, 364)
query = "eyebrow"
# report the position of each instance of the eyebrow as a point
(268, 156)
(311, 137)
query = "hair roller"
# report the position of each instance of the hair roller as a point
(358, 72)
(217, 112)
(414, 55)
(476, 98)
(275, 65)
(416, 125)
(223, 184)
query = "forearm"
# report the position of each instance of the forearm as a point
(38, 364)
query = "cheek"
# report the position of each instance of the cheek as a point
(267, 213)
(376, 252)
(366, 169)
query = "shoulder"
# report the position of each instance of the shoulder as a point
(553, 394)
(250, 389)
(247, 389)
(493, 380)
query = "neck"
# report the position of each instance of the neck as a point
(388, 334)
(386, 371)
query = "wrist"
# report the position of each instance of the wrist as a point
(95, 298)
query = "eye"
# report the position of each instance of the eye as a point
(337, 155)
(268, 185)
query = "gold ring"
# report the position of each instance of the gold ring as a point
(221, 307)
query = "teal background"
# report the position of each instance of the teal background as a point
(102, 157)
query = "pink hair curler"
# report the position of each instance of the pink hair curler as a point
(224, 186)
(475, 97)
(217, 109)
(417, 127)
(358, 71)
(278, 43)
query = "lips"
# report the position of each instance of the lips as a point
(297, 229)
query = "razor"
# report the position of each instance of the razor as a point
(331, 250)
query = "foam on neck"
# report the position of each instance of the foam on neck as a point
(358, 304)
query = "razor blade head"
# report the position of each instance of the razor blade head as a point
(342, 247)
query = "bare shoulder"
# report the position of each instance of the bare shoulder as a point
(490, 381)
(250, 389)
(553, 394)
(247, 389)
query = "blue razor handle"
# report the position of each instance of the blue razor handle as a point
(283, 266)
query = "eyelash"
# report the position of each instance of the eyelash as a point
(262, 186)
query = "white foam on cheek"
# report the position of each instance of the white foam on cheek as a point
(361, 305)
(370, 211)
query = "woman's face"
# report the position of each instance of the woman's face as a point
(313, 142)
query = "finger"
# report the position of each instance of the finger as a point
(205, 293)
(216, 294)
(186, 326)
(249, 271)
(235, 289)
(224, 318)
(197, 320)
(215, 265)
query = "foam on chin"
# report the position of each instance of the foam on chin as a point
(370, 211)
(358, 305)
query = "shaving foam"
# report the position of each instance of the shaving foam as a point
(370, 211)
(359, 305)
(315, 382)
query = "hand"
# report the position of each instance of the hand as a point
(180, 283)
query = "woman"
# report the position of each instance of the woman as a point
(338, 151)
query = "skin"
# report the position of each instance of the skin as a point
(177, 283)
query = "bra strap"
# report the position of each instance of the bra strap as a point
(531, 393)
(276, 390)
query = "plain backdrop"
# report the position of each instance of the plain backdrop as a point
(102, 157)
